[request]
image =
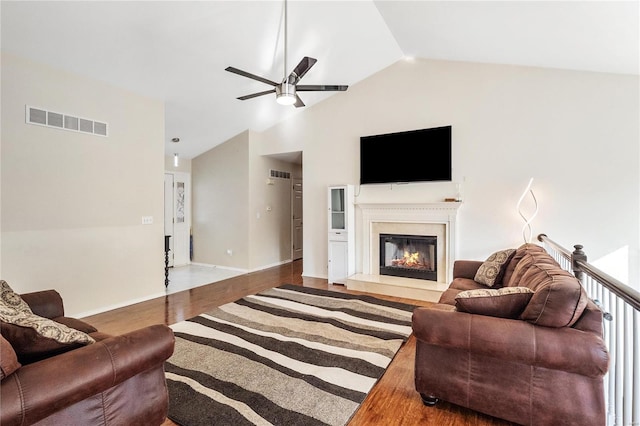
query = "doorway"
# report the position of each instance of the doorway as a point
(177, 216)
(296, 223)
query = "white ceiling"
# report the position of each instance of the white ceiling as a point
(176, 51)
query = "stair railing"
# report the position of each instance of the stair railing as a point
(620, 305)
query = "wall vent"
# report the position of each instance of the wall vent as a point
(279, 174)
(58, 120)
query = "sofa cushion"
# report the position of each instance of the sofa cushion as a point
(558, 299)
(530, 257)
(8, 359)
(515, 259)
(456, 286)
(491, 271)
(31, 346)
(505, 302)
(31, 336)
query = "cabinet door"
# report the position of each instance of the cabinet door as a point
(337, 209)
(338, 262)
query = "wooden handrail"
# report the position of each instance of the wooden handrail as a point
(623, 291)
(544, 239)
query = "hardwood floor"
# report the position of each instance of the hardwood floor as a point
(392, 401)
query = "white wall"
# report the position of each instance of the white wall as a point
(220, 182)
(234, 207)
(184, 164)
(270, 210)
(72, 203)
(576, 133)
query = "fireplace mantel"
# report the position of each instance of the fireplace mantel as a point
(434, 206)
(405, 214)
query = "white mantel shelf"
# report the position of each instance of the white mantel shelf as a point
(442, 205)
(442, 213)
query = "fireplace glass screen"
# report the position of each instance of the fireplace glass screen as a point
(410, 256)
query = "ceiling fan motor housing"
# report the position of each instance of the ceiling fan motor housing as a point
(286, 89)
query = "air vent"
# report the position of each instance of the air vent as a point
(58, 120)
(71, 123)
(279, 174)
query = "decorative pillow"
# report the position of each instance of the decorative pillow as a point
(506, 302)
(13, 310)
(492, 270)
(11, 299)
(30, 346)
(8, 359)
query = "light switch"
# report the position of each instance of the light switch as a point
(147, 220)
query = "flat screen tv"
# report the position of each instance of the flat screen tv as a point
(413, 156)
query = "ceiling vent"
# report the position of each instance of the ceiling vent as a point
(58, 120)
(279, 174)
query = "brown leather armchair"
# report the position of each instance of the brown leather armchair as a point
(516, 368)
(118, 380)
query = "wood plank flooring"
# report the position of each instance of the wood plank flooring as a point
(392, 401)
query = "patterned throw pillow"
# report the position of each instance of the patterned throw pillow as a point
(11, 300)
(14, 310)
(506, 302)
(491, 271)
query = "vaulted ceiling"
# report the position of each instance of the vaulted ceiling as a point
(177, 51)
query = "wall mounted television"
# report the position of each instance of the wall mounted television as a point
(412, 156)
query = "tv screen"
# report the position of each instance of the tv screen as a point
(413, 156)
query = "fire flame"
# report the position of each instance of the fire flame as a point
(411, 259)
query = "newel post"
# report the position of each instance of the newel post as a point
(578, 254)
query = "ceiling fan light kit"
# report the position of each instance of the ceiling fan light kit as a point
(286, 92)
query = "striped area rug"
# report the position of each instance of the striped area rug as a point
(287, 356)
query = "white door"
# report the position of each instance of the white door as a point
(168, 212)
(296, 225)
(182, 218)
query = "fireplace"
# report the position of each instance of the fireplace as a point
(410, 256)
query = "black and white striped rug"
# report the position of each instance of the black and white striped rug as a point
(287, 356)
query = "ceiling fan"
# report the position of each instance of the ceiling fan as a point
(286, 91)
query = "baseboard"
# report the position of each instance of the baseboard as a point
(227, 268)
(244, 271)
(321, 277)
(262, 268)
(116, 306)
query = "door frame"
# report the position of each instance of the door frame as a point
(185, 246)
(294, 181)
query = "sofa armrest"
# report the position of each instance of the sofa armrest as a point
(38, 390)
(466, 268)
(47, 303)
(563, 348)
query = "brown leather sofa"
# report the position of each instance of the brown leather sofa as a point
(118, 380)
(535, 361)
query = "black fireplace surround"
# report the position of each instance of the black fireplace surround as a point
(410, 256)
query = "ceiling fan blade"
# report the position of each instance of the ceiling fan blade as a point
(249, 75)
(255, 95)
(301, 69)
(299, 102)
(320, 88)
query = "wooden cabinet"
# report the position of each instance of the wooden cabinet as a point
(341, 242)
